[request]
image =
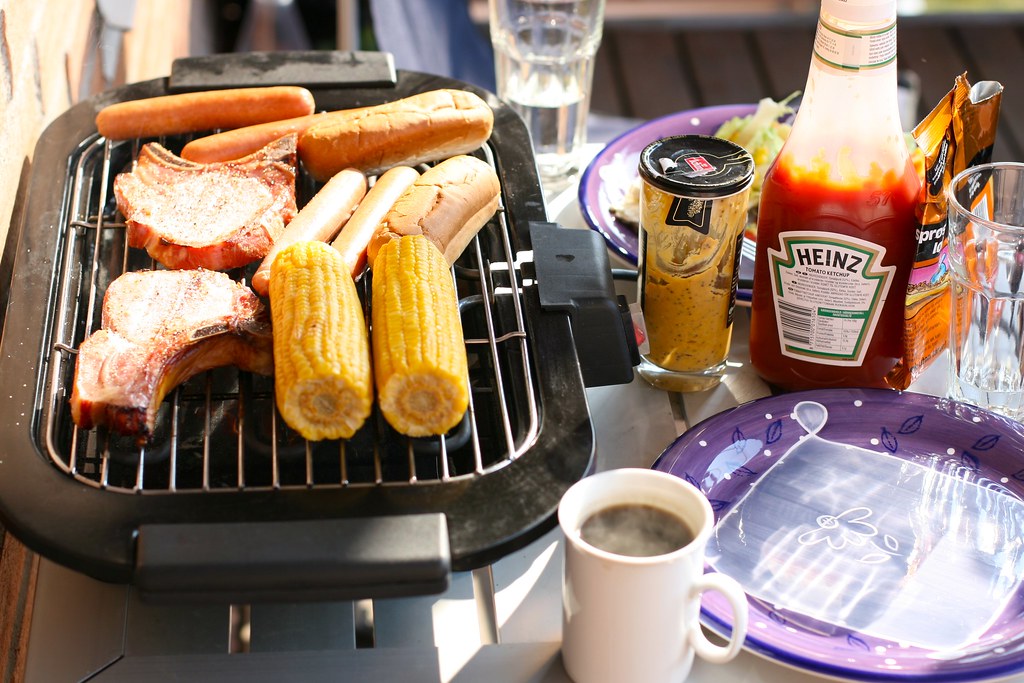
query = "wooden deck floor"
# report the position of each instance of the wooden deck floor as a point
(645, 71)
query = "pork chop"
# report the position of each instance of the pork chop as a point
(158, 329)
(217, 216)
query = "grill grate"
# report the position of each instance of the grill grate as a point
(220, 431)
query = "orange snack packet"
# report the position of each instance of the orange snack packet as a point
(958, 133)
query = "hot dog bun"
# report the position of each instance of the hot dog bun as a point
(449, 204)
(198, 111)
(426, 127)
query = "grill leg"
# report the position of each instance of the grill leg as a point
(486, 609)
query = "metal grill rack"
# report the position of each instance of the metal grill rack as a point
(221, 430)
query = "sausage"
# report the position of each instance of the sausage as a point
(449, 204)
(421, 128)
(355, 235)
(319, 219)
(199, 111)
(239, 142)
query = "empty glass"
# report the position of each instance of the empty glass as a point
(986, 254)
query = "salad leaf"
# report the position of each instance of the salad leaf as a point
(762, 134)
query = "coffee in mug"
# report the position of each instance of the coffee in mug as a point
(632, 579)
(637, 530)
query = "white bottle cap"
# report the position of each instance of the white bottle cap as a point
(861, 11)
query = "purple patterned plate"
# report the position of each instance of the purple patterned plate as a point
(609, 174)
(879, 535)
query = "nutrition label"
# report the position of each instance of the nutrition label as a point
(829, 292)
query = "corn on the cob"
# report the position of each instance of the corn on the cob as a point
(418, 350)
(322, 376)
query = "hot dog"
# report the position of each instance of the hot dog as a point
(449, 204)
(319, 219)
(426, 127)
(198, 111)
(355, 236)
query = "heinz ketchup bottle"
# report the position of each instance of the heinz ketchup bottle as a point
(835, 229)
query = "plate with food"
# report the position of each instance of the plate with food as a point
(843, 513)
(609, 193)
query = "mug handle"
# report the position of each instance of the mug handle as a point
(733, 593)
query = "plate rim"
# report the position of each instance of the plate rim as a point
(778, 653)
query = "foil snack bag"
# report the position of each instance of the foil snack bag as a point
(957, 134)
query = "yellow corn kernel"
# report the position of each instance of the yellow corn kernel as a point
(322, 377)
(419, 354)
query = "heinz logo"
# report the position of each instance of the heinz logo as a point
(699, 164)
(831, 258)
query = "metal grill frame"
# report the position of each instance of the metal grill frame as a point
(486, 514)
(89, 456)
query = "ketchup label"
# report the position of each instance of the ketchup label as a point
(829, 292)
(855, 50)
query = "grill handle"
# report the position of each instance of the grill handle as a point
(574, 275)
(310, 68)
(289, 561)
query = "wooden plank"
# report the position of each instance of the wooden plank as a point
(159, 35)
(655, 80)
(785, 54)
(17, 592)
(937, 55)
(725, 67)
(607, 95)
(928, 51)
(996, 53)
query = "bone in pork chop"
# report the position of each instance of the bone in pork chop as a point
(159, 328)
(217, 216)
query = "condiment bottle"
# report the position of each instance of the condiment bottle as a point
(835, 229)
(693, 207)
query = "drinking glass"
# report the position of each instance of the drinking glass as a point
(986, 255)
(544, 68)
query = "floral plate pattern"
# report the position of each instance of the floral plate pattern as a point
(844, 513)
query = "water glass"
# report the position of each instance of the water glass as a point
(986, 254)
(544, 68)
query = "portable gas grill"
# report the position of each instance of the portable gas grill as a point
(225, 502)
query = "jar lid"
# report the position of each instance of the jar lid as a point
(699, 166)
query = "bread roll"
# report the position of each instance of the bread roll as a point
(449, 204)
(410, 131)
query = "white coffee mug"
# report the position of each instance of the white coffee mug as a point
(627, 618)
